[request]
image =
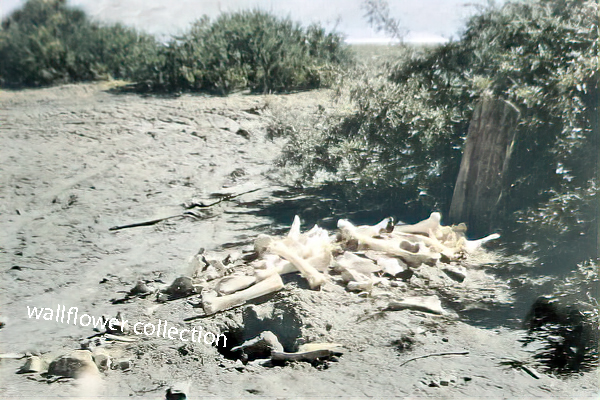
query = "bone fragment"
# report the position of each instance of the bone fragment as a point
(294, 233)
(423, 227)
(390, 247)
(260, 347)
(274, 265)
(391, 266)
(472, 245)
(356, 263)
(362, 286)
(234, 283)
(386, 225)
(213, 304)
(33, 364)
(333, 347)
(301, 356)
(430, 304)
(313, 276)
(12, 356)
(262, 243)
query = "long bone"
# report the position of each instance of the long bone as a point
(233, 283)
(281, 266)
(313, 276)
(387, 246)
(213, 304)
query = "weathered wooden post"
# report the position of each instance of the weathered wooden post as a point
(480, 181)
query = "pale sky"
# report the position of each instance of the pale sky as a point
(426, 20)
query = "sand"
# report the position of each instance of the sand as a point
(76, 160)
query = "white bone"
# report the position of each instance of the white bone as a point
(391, 266)
(281, 268)
(267, 340)
(391, 247)
(261, 243)
(335, 347)
(213, 304)
(433, 223)
(314, 277)
(234, 283)
(472, 245)
(363, 286)
(294, 233)
(374, 230)
(360, 264)
(300, 356)
(431, 304)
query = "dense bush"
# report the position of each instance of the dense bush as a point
(247, 50)
(47, 42)
(402, 140)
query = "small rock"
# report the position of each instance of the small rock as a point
(101, 358)
(140, 289)
(179, 391)
(182, 287)
(456, 273)
(73, 365)
(124, 365)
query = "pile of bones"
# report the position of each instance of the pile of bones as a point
(359, 257)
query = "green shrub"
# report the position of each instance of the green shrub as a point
(48, 42)
(247, 50)
(403, 139)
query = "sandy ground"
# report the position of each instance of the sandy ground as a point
(76, 160)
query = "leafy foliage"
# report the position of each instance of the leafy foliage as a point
(566, 324)
(403, 136)
(47, 42)
(247, 50)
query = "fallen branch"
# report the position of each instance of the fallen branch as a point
(185, 214)
(458, 353)
(188, 206)
(152, 222)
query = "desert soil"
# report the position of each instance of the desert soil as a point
(76, 160)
